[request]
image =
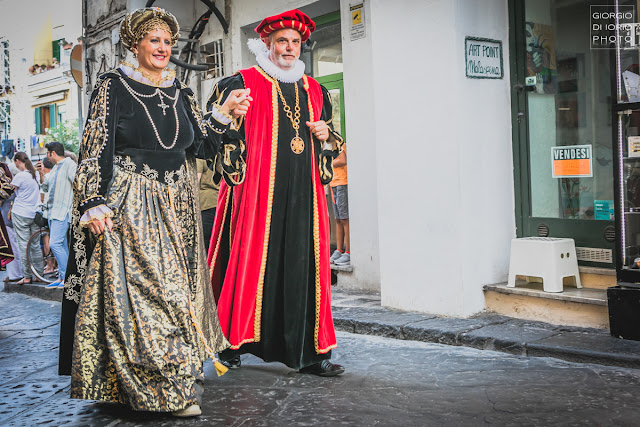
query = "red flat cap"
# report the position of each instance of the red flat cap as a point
(293, 19)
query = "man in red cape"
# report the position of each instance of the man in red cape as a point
(269, 249)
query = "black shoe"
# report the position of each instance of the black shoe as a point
(323, 369)
(233, 363)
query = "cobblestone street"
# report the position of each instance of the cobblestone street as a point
(388, 382)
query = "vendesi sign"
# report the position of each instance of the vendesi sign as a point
(483, 58)
(572, 161)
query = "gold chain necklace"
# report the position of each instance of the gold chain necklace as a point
(297, 144)
(157, 82)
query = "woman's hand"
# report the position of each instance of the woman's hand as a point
(97, 226)
(237, 103)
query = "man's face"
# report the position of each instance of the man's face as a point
(284, 48)
(51, 156)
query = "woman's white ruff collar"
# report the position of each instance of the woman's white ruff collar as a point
(137, 76)
(259, 49)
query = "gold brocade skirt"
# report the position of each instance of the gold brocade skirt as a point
(146, 319)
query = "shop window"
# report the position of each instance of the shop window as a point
(324, 50)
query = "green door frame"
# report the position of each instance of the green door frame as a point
(334, 81)
(586, 233)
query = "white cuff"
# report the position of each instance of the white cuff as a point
(99, 212)
(220, 116)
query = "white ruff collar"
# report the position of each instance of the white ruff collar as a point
(259, 49)
(167, 75)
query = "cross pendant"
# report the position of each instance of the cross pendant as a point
(163, 106)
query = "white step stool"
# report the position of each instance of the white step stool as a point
(550, 258)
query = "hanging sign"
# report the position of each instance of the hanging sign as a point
(483, 58)
(356, 27)
(572, 161)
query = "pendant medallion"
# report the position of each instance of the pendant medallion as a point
(297, 145)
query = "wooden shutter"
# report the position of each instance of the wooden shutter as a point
(38, 117)
(53, 115)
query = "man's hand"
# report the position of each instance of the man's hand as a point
(40, 169)
(237, 103)
(97, 226)
(319, 129)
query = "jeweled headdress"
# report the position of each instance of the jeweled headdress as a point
(141, 21)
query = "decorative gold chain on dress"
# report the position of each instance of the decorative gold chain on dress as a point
(297, 144)
(162, 105)
(158, 82)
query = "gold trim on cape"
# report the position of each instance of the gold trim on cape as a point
(267, 231)
(316, 223)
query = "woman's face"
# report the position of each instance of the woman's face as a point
(154, 51)
(19, 165)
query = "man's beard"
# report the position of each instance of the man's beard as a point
(283, 63)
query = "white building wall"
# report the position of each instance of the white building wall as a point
(366, 150)
(444, 159)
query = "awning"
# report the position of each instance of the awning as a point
(48, 99)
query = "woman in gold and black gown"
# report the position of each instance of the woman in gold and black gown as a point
(139, 318)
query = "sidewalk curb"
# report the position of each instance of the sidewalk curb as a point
(37, 290)
(494, 332)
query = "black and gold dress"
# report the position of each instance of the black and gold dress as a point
(138, 317)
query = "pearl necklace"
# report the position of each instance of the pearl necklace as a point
(162, 105)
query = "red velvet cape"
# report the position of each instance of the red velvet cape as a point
(250, 206)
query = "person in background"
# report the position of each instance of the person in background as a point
(208, 199)
(44, 170)
(340, 198)
(6, 251)
(7, 196)
(23, 211)
(11, 166)
(60, 198)
(71, 155)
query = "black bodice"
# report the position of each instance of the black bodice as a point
(135, 126)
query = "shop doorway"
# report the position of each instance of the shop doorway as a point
(324, 54)
(562, 127)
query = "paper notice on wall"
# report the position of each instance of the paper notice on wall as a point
(572, 161)
(634, 146)
(357, 27)
(604, 209)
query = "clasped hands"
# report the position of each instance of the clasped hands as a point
(239, 100)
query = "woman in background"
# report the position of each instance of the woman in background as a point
(7, 196)
(23, 211)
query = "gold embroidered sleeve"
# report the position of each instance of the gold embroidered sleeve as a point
(334, 145)
(6, 189)
(95, 166)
